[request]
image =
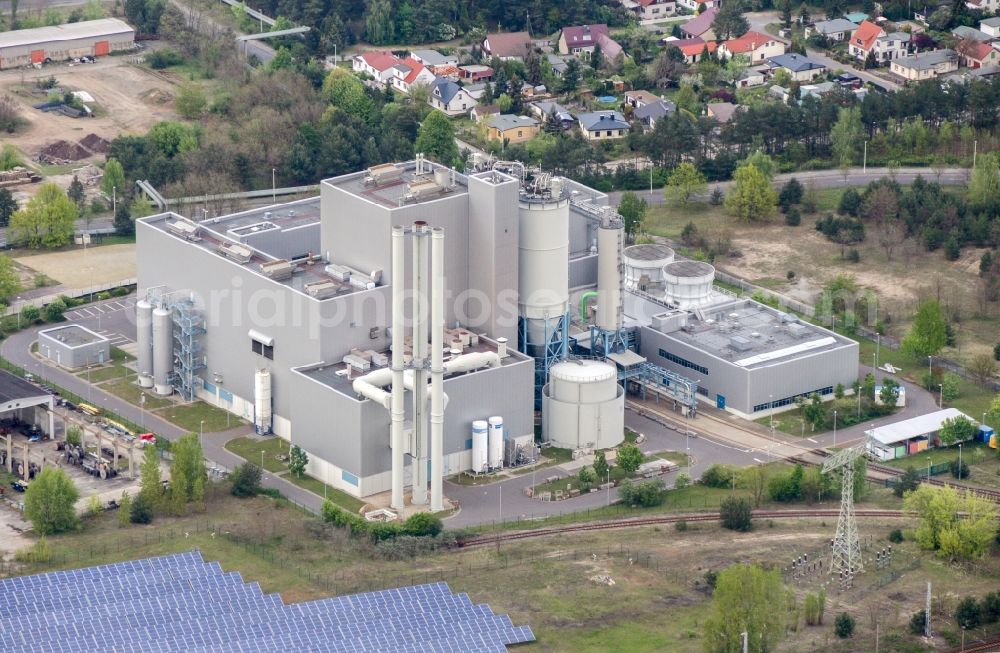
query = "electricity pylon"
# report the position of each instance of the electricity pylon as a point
(846, 554)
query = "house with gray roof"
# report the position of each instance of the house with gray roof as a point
(837, 29)
(648, 114)
(963, 32)
(512, 129)
(990, 26)
(434, 58)
(925, 65)
(547, 111)
(450, 98)
(800, 67)
(603, 125)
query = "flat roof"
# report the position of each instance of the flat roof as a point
(14, 388)
(286, 216)
(392, 194)
(915, 426)
(67, 32)
(73, 335)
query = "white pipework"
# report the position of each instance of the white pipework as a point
(437, 368)
(397, 408)
(370, 386)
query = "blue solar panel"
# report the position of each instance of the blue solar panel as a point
(181, 603)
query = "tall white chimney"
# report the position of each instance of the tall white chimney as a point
(421, 304)
(398, 406)
(437, 369)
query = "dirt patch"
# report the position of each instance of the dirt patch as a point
(157, 97)
(95, 143)
(79, 269)
(60, 152)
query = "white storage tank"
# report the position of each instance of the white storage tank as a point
(583, 406)
(645, 260)
(262, 401)
(144, 342)
(163, 350)
(480, 446)
(496, 442)
(543, 262)
(610, 310)
(688, 283)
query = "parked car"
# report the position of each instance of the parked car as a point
(19, 485)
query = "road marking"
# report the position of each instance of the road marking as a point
(758, 460)
(87, 312)
(813, 441)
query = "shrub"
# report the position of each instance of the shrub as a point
(681, 481)
(423, 524)
(140, 511)
(381, 530)
(844, 626)
(989, 608)
(815, 606)
(787, 487)
(124, 510)
(406, 546)
(967, 613)
(736, 514)
(959, 470)
(896, 536)
(246, 480)
(681, 526)
(54, 311)
(272, 492)
(103, 296)
(30, 314)
(854, 256)
(720, 476)
(160, 59)
(586, 475)
(917, 622)
(711, 577)
(645, 494)
(793, 217)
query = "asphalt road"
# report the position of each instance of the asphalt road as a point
(834, 179)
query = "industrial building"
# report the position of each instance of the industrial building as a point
(909, 436)
(73, 346)
(93, 38)
(313, 318)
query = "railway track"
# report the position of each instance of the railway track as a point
(991, 646)
(666, 519)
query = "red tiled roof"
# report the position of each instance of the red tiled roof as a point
(700, 23)
(864, 37)
(977, 50)
(748, 42)
(415, 69)
(380, 60)
(584, 35)
(694, 47)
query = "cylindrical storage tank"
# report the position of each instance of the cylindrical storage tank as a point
(262, 401)
(583, 406)
(543, 262)
(480, 446)
(144, 342)
(609, 277)
(163, 350)
(645, 260)
(688, 283)
(496, 442)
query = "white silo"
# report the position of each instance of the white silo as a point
(496, 442)
(163, 350)
(543, 264)
(480, 446)
(262, 401)
(644, 266)
(144, 342)
(688, 284)
(610, 310)
(583, 405)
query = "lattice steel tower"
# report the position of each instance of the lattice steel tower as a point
(846, 554)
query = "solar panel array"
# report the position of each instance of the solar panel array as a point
(182, 603)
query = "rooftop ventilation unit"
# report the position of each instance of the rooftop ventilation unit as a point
(798, 330)
(382, 174)
(422, 189)
(321, 289)
(739, 343)
(184, 229)
(278, 270)
(339, 272)
(236, 252)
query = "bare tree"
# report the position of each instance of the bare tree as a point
(10, 114)
(881, 209)
(983, 367)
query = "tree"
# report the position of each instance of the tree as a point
(150, 480)
(646, 494)
(983, 367)
(730, 22)
(956, 429)
(380, 24)
(791, 193)
(736, 514)
(787, 486)
(47, 220)
(297, 461)
(846, 136)
(8, 206)
(595, 57)
(190, 101)
(942, 528)
(968, 613)
(755, 480)
(346, 92)
(601, 466)
(685, 181)
(748, 600)
(123, 222)
(881, 209)
(586, 476)
(815, 411)
(629, 458)
(245, 480)
(984, 185)
(681, 481)
(751, 198)
(908, 482)
(50, 502)
(141, 511)
(844, 626)
(785, 7)
(188, 466)
(436, 139)
(423, 524)
(10, 115)
(959, 469)
(76, 193)
(10, 281)
(889, 394)
(113, 181)
(571, 77)
(762, 162)
(928, 334)
(124, 510)
(54, 310)
(633, 209)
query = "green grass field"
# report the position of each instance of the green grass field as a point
(250, 449)
(338, 497)
(190, 417)
(132, 393)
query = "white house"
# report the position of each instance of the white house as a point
(756, 46)
(376, 64)
(410, 73)
(450, 98)
(837, 29)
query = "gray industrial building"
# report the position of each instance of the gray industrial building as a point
(73, 346)
(92, 38)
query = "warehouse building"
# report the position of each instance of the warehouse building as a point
(909, 436)
(94, 38)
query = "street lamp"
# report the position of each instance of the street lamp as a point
(960, 476)
(687, 447)
(19, 314)
(834, 429)
(142, 408)
(261, 460)
(274, 191)
(201, 434)
(941, 396)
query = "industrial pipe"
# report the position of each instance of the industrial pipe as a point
(583, 303)
(437, 369)
(420, 334)
(397, 408)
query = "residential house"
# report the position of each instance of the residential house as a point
(557, 63)
(651, 9)
(925, 65)
(548, 111)
(410, 73)
(701, 26)
(801, 68)
(695, 5)
(985, 6)
(722, 111)
(857, 17)
(693, 49)
(450, 98)
(433, 58)
(603, 125)
(580, 41)
(967, 75)
(508, 128)
(484, 111)
(637, 99)
(611, 49)
(755, 46)
(869, 37)
(649, 113)
(964, 33)
(991, 26)
(837, 29)
(476, 73)
(376, 64)
(750, 77)
(974, 54)
(507, 45)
